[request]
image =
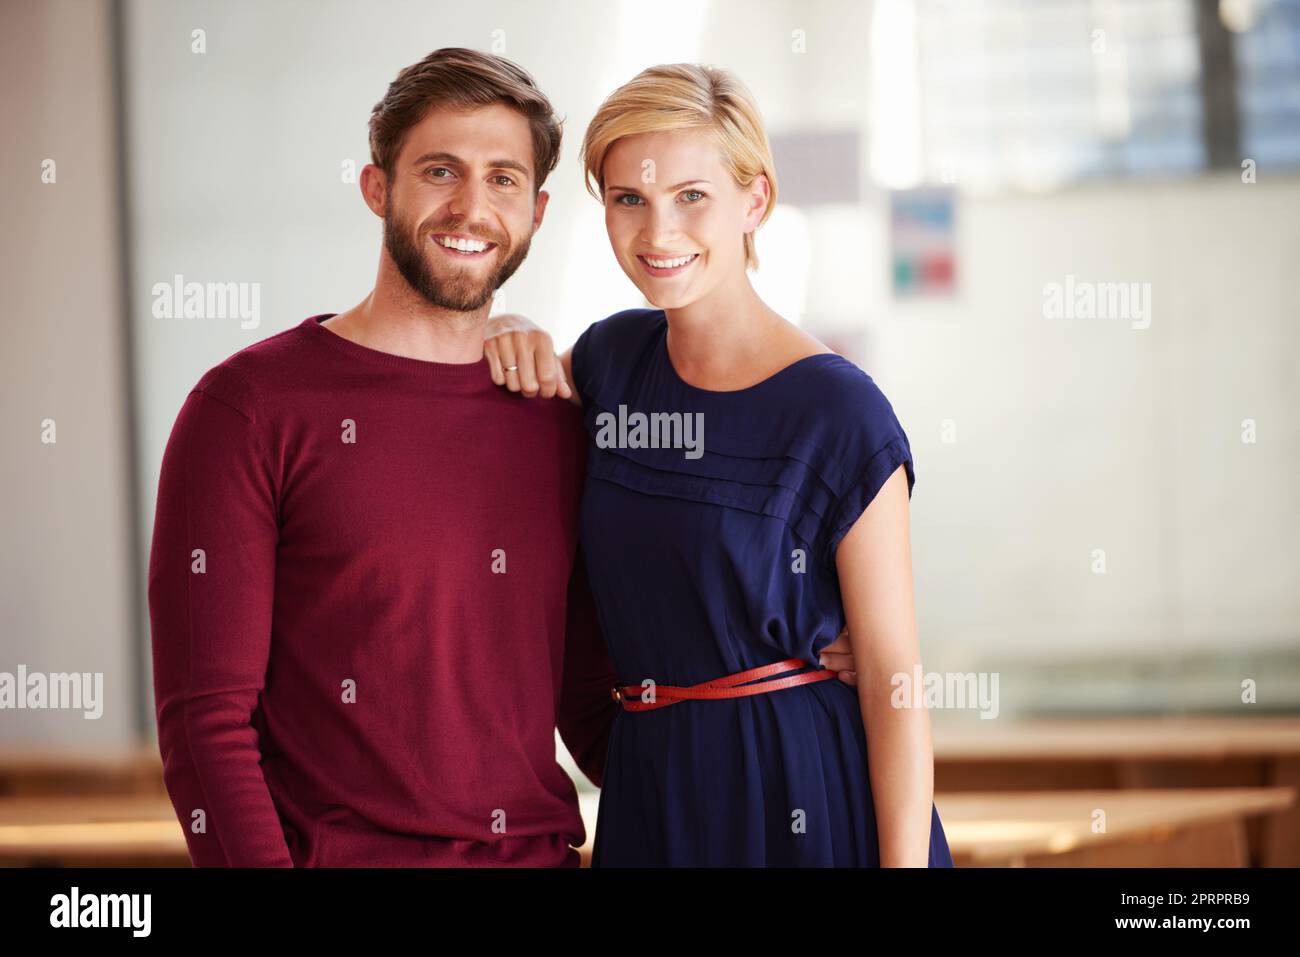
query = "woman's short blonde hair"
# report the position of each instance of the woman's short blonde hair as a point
(685, 96)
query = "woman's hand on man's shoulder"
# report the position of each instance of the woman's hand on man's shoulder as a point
(521, 357)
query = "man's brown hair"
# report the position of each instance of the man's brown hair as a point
(459, 78)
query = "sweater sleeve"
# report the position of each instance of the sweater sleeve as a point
(586, 712)
(211, 587)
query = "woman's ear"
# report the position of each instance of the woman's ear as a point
(758, 195)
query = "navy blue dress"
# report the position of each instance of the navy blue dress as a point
(702, 566)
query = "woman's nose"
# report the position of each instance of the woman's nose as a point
(660, 228)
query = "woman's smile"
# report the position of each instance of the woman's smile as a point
(669, 266)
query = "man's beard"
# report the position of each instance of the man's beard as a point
(458, 291)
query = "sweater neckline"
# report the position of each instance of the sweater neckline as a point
(466, 373)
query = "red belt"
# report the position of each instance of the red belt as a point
(630, 695)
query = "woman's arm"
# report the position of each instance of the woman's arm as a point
(874, 561)
(515, 340)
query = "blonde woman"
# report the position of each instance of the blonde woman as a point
(746, 497)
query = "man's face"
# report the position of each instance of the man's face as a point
(462, 179)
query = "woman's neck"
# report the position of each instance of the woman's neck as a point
(730, 339)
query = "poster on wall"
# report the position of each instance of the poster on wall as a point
(922, 242)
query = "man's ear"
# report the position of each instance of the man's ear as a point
(374, 188)
(539, 208)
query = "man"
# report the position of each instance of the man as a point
(369, 614)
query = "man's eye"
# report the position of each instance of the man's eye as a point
(434, 169)
(508, 180)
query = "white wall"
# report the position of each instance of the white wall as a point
(1088, 433)
(65, 582)
(1071, 435)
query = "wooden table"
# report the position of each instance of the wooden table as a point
(1181, 827)
(1154, 828)
(86, 831)
(1172, 828)
(29, 771)
(1130, 753)
(48, 816)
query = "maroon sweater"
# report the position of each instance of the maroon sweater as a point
(364, 568)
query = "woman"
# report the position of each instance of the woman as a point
(765, 508)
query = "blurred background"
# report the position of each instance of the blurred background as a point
(1062, 235)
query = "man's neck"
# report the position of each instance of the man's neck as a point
(397, 320)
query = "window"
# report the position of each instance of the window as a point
(1025, 94)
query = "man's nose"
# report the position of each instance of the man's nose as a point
(470, 202)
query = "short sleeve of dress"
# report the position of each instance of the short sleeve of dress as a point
(874, 445)
(601, 353)
(581, 367)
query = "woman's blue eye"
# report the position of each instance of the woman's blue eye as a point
(696, 192)
(629, 196)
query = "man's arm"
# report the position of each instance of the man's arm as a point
(587, 710)
(211, 590)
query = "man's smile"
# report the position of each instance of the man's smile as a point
(463, 247)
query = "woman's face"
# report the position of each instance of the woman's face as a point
(676, 218)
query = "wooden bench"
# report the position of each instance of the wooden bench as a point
(1181, 827)
(1164, 828)
(32, 772)
(91, 831)
(1130, 753)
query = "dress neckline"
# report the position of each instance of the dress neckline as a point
(662, 347)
